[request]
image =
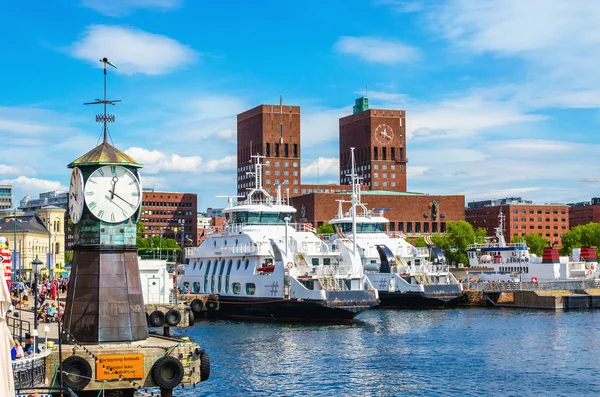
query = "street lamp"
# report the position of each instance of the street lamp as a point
(36, 265)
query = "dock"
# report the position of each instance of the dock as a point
(556, 295)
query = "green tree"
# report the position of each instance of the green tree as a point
(420, 242)
(581, 236)
(68, 256)
(325, 228)
(456, 240)
(534, 242)
(140, 228)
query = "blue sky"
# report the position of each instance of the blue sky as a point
(501, 97)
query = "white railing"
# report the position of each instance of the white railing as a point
(494, 245)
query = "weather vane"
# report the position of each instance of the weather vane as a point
(105, 118)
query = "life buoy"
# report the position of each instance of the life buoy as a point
(534, 280)
(289, 265)
(589, 272)
(212, 306)
(157, 319)
(197, 305)
(592, 267)
(78, 372)
(167, 372)
(173, 317)
(307, 227)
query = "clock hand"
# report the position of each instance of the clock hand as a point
(115, 179)
(118, 206)
(126, 202)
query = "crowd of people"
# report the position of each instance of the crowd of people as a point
(18, 352)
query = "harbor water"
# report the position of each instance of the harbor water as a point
(419, 353)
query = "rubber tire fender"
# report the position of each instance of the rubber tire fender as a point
(191, 318)
(75, 366)
(174, 369)
(173, 317)
(157, 319)
(204, 367)
(212, 306)
(197, 305)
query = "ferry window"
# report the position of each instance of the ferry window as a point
(246, 263)
(221, 274)
(236, 242)
(250, 289)
(206, 277)
(236, 288)
(228, 275)
(196, 287)
(327, 261)
(225, 243)
(215, 243)
(315, 261)
(239, 262)
(201, 263)
(195, 264)
(212, 279)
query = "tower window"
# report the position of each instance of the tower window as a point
(393, 153)
(276, 150)
(267, 150)
(375, 153)
(383, 153)
(295, 150)
(285, 150)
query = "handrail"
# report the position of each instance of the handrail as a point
(569, 285)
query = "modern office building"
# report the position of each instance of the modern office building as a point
(170, 215)
(584, 212)
(521, 217)
(54, 198)
(5, 197)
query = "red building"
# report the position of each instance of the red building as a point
(379, 139)
(548, 220)
(274, 132)
(584, 213)
(170, 215)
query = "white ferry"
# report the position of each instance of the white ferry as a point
(403, 274)
(262, 267)
(514, 262)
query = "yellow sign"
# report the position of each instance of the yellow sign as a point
(129, 366)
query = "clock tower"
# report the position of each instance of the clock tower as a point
(104, 299)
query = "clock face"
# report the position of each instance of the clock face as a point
(76, 195)
(113, 194)
(384, 134)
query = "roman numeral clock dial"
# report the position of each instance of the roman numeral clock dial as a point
(76, 195)
(113, 193)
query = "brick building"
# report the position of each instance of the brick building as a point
(170, 215)
(410, 213)
(274, 132)
(548, 220)
(584, 213)
(379, 139)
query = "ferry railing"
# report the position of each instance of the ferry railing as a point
(569, 285)
(45, 391)
(16, 323)
(495, 245)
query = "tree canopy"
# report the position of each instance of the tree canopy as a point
(456, 240)
(534, 242)
(325, 228)
(581, 236)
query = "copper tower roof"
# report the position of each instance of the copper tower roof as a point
(104, 154)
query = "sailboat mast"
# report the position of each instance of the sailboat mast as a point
(354, 201)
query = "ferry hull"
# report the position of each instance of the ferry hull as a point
(291, 310)
(418, 300)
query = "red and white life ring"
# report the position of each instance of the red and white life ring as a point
(592, 266)
(289, 265)
(534, 280)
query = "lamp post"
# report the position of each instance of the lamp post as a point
(36, 265)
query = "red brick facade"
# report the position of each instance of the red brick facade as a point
(274, 132)
(165, 211)
(584, 214)
(409, 213)
(548, 220)
(379, 139)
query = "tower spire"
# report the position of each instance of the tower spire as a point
(105, 118)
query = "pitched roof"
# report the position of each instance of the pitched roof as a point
(25, 224)
(105, 153)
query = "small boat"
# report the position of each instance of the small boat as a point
(262, 266)
(405, 276)
(513, 262)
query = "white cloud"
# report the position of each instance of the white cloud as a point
(228, 163)
(132, 50)
(24, 185)
(155, 161)
(119, 8)
(322, 167)
(15, 170)
(153, 182)
(321, 125)
(376, 50)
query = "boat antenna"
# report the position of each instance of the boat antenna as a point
(355, 194)
(500, 230)
(105, 118)
(258, 187)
